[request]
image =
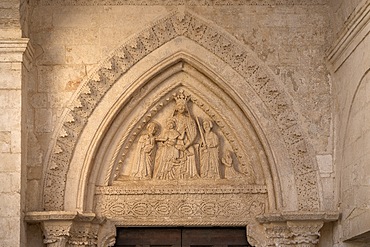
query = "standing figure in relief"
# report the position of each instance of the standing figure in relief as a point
(167, 154)
(144, 156)
(209, 152)
(187, 128)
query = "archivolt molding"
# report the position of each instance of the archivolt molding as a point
(223, 46)
(351, 35)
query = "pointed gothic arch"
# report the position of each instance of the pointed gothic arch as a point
(270, 111)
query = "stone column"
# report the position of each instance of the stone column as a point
(14, 61)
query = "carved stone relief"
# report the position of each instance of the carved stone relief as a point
(178, 166)
(180, 145)
(155, 143)
(181, 204)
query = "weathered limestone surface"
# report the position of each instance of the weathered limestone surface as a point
(301, 66)
(12, 170)
(70, 41)
(69, 49)
(350, 65)
(340, 12)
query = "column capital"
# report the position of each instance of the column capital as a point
(12, 50)
(56, 232)
(300, 229)
(62, 228)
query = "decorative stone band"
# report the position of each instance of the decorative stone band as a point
(69, 228)
(290, 229)
(181, 2)
(178, 189)
(174, 207)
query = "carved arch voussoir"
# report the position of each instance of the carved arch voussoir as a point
(223, 46)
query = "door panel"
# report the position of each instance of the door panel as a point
(214, 237)
(148, 237)
(182, 237)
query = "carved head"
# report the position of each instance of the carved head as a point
(207, 125)
(181, 102)
(152, 128)
(180, 107)
(171, 124)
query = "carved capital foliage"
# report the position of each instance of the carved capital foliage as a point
(304, 234)
(84, 234)
(290, 233)
(56, 233)
(69, 228)
(224, 47)
(289, 229)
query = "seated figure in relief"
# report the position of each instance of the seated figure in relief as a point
(187, 128)
(168, 154)
(144, 156)
(209, 152)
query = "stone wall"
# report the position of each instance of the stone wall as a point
(350, 65)
(10, 148)
(71, 40)
(10, 27)
(340, 12)
(293, 40)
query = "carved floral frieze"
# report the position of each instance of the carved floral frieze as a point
(181, 205)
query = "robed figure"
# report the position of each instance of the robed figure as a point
(209, 152)
(187, 128)
(167, 155)
(144, 156)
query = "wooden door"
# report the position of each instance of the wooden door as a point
(148, 237)
(214, 237)
(182, 237)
